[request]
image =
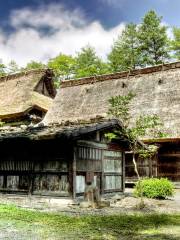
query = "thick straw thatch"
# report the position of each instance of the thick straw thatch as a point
(18, 93)
(157, 91)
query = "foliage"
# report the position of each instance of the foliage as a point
(148, 125)
(34, 65)
(125, 53)
(148, 152)
(153, 40)
(175, 43)
(1, 123)
(63, 66)
(143, 45)
(12, 67)
(89, 64)
(120, 107)
(154, 188)
(30, 224)
(144, 125)
(2, 68)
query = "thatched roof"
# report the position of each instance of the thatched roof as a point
(19, 93)
(157, 91)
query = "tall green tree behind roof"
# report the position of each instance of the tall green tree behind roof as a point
(125, 52)
(175, 43)
(63, 66)
(2, 68)
(34, 65)
(88, 63)
(153, 39)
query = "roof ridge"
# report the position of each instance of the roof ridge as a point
(117, 75)
(20, 74)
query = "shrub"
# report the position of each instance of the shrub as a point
(154, 188)
(1, 123)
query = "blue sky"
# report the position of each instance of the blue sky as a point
(40, 29)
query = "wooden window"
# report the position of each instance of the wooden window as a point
(113, 182)
(44, 183)
(89, 159)
(12, 182)
(80, 184)
(113, 173)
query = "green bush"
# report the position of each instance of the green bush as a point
(1, 123)
(154, 188)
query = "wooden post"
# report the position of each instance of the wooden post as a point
(102, 173)
(30, 191)
(150, 167)
(123, 171)
(74, 173)
(31, 178)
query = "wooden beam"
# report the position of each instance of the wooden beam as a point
(169, 155)
(102, 173)
(123, 171)
(74, 172)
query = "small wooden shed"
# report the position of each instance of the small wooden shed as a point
(59, 160)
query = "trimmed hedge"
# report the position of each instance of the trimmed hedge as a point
(154, 188)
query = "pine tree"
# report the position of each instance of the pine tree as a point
(125, 52)
(175, 43)
(153, 40)
(89, 64)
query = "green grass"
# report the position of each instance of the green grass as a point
(25, 224)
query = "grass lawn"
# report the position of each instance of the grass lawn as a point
(16, 223)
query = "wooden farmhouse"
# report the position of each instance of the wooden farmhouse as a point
(57, 157)
(157, 91)
(69, 149)
(25, 97)
(62, 158)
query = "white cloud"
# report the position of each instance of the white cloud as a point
(69, 31)
(52, 15)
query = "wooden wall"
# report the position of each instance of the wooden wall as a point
(100, 163)
(169, 161)
(40, 167)
(146, 168)
(60, 167)
(165, 164)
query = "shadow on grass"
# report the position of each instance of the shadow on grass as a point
(124, 227)
(139, 226)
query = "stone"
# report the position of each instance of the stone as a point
(102, 204)
(117, 197)
(85, 204)
(24, 127)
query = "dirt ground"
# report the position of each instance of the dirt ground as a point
(118, 204)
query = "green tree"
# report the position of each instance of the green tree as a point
(125, 53)
(34, 65)
(12, 67)
(63, 66)
(2, 69)
(153, 40)
(89, 64)
(175, 43)
(145, 125)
